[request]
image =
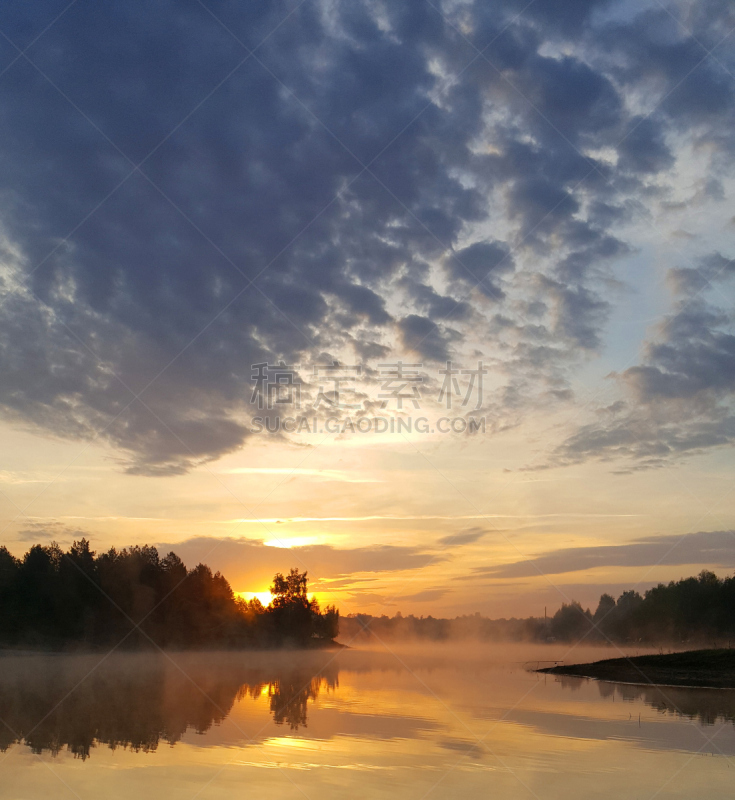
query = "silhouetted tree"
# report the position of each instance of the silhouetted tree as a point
(571, 622)
(326, 624)
(9, 567)
(133, 597)
(291, 611)
(604, 607)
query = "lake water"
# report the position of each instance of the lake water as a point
(462, 721)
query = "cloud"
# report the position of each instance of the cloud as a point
(682, 396)
(577, 313)
(424, 596)
(464, 747)
(480, 265)
(422, 336)
(247, 562)
(15, 478)
(364, 302)
(319, 474)
(44, 532)
(410, 517)
(363, 599)
(196, 208)
(438, 307)
(706, 548)
(468, 536)
(644, 149)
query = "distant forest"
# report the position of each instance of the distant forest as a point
(52, 599)
(694, 610)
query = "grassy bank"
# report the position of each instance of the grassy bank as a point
(710, 668)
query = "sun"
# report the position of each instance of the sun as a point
(264, 597)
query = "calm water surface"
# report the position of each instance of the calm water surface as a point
(462, 722)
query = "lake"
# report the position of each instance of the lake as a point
(457, 721)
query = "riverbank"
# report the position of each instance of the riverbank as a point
(702, 668)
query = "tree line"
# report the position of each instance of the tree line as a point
(56, 599)
(696, 610)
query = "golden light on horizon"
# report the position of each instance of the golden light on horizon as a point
(264, 597)
(292, 541)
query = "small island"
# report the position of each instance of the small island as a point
(697, 668)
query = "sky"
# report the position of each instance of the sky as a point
(432, 299)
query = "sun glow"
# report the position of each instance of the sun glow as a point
(264, 597)
(297, 541)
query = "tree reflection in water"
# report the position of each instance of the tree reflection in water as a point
(136, 701)
(707, 706)
(290, 694)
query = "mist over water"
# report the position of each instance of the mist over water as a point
(416, 720)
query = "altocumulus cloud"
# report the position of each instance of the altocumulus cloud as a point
(189, 189)
(680, 399)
